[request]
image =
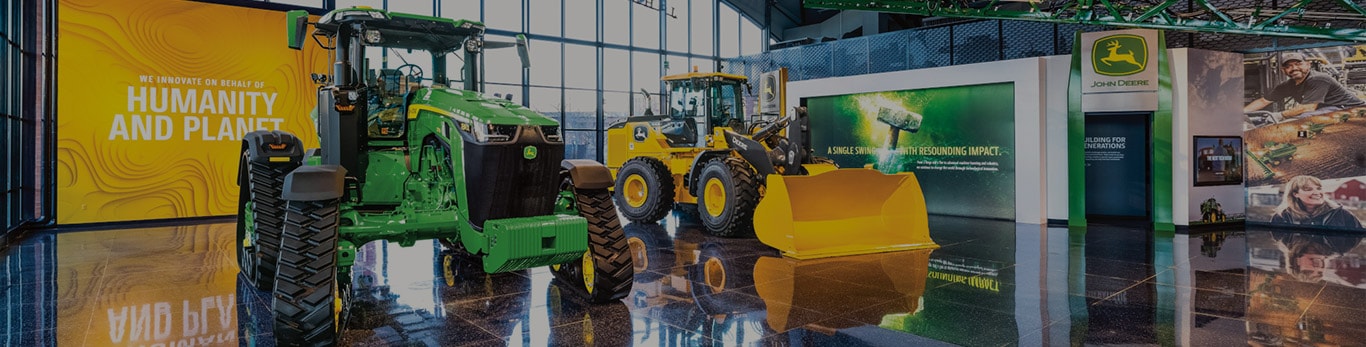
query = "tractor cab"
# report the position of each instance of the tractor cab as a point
(700, 102)
(365, 104)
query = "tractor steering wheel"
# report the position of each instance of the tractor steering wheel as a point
(413, 71)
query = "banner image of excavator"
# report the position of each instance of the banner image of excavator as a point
(745, 176)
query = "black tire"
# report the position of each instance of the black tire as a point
(659, 189)
(611, 255)
(261, 184)
(741, 185)
(306, 285)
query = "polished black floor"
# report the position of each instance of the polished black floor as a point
(990, 283)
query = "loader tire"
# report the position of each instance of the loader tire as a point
(727, 192)
(260, 199)
(644, 190)
(306, 286)
(608, 255)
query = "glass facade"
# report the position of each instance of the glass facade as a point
(24, 55)
(589, 58)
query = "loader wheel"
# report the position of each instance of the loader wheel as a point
(644, 190)
(260, 217)
(728, 191)
(306, 288)
(604, 273)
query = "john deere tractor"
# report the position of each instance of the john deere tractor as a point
(405, 157)
(744, 177)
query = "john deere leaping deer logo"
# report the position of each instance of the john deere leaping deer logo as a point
(1123, 55)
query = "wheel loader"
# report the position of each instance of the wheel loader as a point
(406, 157)
(744, 177)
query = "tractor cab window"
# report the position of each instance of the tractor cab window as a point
(390, 87)
(388, 102)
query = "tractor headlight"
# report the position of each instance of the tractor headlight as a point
(372, 36)
(485, 133)
(551, 132)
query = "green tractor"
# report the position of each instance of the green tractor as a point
(402, 160)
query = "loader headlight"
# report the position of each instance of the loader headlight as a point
(372, 36)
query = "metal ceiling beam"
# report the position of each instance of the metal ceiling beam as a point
(1292, 21)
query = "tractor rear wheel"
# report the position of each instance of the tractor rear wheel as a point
(306, 287)
(644, 190)
(605, 272)
(260, 217)
(727, 192)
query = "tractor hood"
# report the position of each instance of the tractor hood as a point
(474, 105)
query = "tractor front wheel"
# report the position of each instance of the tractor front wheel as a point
(727, 193)
(604, 273)
(306, 286)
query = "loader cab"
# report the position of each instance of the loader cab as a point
(699, 102)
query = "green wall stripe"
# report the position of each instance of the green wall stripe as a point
(1076, 145)
(1162, 141)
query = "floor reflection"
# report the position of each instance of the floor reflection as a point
(990, 283)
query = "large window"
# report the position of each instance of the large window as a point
(23, 56)
(583, 51)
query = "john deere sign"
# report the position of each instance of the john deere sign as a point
(1122, 55)
(1118, 61)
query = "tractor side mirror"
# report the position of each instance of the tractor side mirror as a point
(523, 51)
(296, 22)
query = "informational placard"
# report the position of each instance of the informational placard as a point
(153, 98)
(959, 142)
(1117, 162)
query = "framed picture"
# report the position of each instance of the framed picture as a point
(1218, 160)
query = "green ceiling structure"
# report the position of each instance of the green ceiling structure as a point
(1338, 20)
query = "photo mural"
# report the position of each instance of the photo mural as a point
(1305, 134)
(959, 141)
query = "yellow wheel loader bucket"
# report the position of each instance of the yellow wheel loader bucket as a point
(842, 212)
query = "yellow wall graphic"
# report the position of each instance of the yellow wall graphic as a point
(153, 99)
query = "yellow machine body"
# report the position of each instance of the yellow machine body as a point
(843, 212)
(621, 146)
(787, 283)
(822, 212)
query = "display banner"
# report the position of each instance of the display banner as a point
(1119, 61)
(959, 142)
(1318, 156)
(153, 98)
